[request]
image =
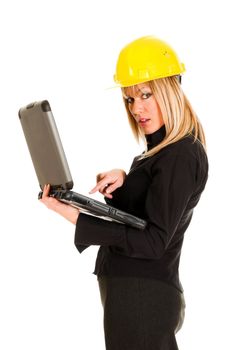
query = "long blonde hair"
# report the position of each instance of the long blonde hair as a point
(178, 115)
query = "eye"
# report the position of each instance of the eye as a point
(146, 95)
(129, 100)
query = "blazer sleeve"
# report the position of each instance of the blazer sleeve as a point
(167, 197)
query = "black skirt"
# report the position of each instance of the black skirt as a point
(140, 313)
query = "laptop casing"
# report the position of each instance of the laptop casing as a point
(52, 168)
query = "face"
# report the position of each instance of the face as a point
(144, 108)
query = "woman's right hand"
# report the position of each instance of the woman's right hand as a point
(109, 181)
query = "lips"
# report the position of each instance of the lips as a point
(143, 121)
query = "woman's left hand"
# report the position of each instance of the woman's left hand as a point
(67, 211)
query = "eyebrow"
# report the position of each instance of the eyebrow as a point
(137, 93)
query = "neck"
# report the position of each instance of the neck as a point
(155, 138)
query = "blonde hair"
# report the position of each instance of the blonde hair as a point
(178, 115)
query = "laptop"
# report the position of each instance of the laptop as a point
(52, 168)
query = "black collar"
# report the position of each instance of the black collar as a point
(155, 138)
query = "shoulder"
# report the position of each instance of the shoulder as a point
(185, 155)
(186, 148)
(185, 152)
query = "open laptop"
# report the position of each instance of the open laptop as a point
(52, 168)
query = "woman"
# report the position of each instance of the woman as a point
(138, 271)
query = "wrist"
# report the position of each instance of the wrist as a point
(74, 218)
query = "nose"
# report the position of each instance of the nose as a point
(136, 107)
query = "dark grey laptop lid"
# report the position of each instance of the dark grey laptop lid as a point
(45, 145)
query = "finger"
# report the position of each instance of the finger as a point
(51, 203)
(101, 185)
(108, 195)
(110, 189)
(93, 190)
(45, 191)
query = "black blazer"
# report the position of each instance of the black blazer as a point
(163, 190)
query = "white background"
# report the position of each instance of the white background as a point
(65, 51)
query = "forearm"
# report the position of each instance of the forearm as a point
(91, 230)
(68, 212)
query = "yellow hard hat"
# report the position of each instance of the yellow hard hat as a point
(145, 59)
